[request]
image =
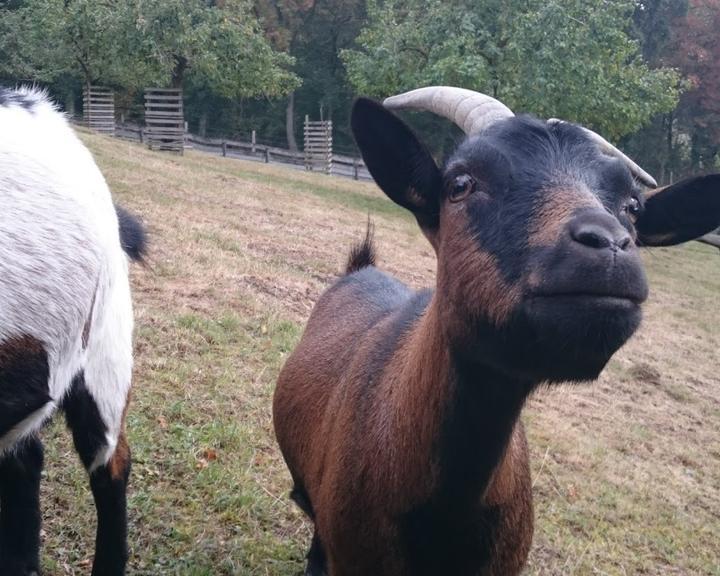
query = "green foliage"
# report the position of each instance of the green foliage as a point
(411, 44)
(583, 66)
(313, 31)
(603, 63)
(12, 64)
(84, 39)
(573, 59)
(136, 43)
(220, 49)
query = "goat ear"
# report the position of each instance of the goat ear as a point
(680, 212)
(396, 159)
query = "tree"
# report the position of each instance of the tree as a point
(84, 39)
(282, 21)
(12, 63)
(216, 48)
(656, 145)
(695, 50)
(573, 59)
(314, 32)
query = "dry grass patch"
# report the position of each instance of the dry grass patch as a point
(627, 473)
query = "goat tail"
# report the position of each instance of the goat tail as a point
(133, 237)
(363, 253)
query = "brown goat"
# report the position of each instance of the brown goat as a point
(398, 414)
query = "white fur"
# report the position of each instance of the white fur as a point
(59, 251)
(34, 421)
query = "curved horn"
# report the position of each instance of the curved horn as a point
(475, 112)
(608, 148)
(470, 110)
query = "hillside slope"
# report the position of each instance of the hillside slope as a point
(626, 471)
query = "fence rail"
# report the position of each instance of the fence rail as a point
(347, 166)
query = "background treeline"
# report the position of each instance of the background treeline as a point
(644, 73)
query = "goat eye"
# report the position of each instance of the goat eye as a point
(461, 187)
(633, 207)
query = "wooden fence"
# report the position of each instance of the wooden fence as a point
(318, 145)
(347, 166)
(99, 109)
(164, 119)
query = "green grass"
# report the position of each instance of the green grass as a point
(626, 471)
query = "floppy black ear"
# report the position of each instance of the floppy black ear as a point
(399, 163)
(681, 212)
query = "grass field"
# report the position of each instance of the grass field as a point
(626, 471)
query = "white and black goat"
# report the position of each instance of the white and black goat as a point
(66, 325)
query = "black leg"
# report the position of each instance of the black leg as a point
(109, 490)
(20, 509)
(107, 481)
(316, 563)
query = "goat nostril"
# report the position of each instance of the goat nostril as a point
(624, 242)
(592, 236)
(599, 232)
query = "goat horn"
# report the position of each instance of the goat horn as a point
(470, 110)
(608, 148)
(475, 112)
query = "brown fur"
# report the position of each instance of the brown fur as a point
(657, 239)
(366, 456)
(395, 466)
(398, 447)
(511, 490)
(19, 348)
(551, 217)
(469, 275)
(119, 462)
(88, 322)
(647, 194)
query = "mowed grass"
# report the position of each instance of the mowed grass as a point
(626, 471)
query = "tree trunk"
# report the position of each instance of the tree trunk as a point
(70, 102)
(178, 73)
(666, 175)
(290, 122)
(695, 152)
(202, 124)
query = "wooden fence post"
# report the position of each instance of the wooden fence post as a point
(164, 119)
(267, 155)
(99, 109)
(253, 143)
(318, 144)
(306, 143)
(356, 166)
(224, 148)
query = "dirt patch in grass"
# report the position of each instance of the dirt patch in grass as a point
(626, 471)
